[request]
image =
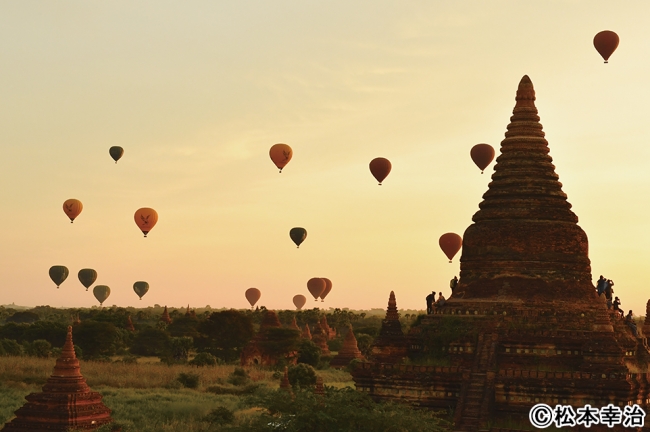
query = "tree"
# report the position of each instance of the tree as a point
(38, 348)
(97, 338)
(301, 375)
(178, 350)
(308, 352)
(23, 317)
(150, 342)
(224, 334)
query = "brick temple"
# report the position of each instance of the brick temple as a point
(524, 324)
(66, 401)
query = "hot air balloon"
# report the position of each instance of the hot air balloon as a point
(116, 152)
(316, 286)
(87, 277)
(380, 168)
(299, 301)
(253, 295)
(58, 274)
(140, 288)
(298, 235)
(482, 155)
(101, 293)
(328, 288)
(72, 208)
(606, 43)
(146, 219)
(450, 244)
(280, 155)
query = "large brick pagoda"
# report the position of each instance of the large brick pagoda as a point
(524, 324)
(66, 401)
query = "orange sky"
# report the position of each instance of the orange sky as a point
(196, 92)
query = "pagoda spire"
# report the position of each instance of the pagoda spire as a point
(525, 242)
(66, 400)
(391, 310)
(165, 316)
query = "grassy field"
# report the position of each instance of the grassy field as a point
(148, 396)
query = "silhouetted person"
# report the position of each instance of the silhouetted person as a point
(441, 300)
(617, 306)
(609, 291)
(600, 286)
(430, 299)
(453, 283)
(629, 320)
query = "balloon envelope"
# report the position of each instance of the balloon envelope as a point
(101, 293)
(299, 301)
(482, 155)
(253, 295)
(316, 286)
(328, 288)
(146, 219)
(58, 274)
(606, 43)
(298, 235)
(280, 155)
(87, 277)
(72, 208)
(140, 288)
(380, 168)
(450, 244)
(116, 152)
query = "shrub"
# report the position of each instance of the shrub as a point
(335, 344)
(219, 416)
(239, 377)
(11, 347)
(308, 353)
(189, 380)
(130, 359)
(204, 359)
(39, 348)
(302, 375)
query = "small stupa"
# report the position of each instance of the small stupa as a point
(66, 401)
(391, 345)
(129, 324)
(294, 324)
(349, 352)
(165, 316)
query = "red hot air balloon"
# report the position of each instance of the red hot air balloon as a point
(380, 168)
(328, 288)
(299, 301)
(450, 244)
(482, 155)
(316, 286)
(606, 43)
(280, 155)
(253, 295)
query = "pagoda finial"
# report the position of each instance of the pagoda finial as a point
(525, 93)
(391, 311)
